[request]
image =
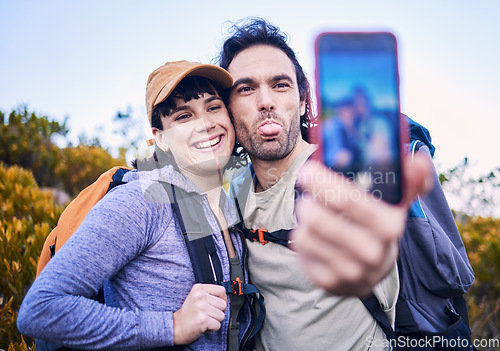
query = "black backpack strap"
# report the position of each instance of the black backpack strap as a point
(461, 308)
(202, 251)
(195, 230)
(373, 306)
(263, 236)
(280, 236)
(200, 243)
(117, 178)
(238, 287)
(42, 345)
(256, 305)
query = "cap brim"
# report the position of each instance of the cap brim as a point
(214, 73)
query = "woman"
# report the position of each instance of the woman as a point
(131, 242)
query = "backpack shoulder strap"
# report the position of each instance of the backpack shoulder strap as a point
(263, 236)
(373, 306)
(197, 236)
(74, 214)
(202, 252)
(200, 243)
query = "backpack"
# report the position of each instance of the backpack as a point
(434, 270)
(195, 230)
(434, 273)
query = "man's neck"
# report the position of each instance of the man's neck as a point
(269, 173)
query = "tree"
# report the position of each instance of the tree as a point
(80, 166)
(479, 195)
(480, 232)
(28, 141)
(132, 139)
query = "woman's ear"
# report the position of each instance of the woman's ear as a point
(160, 139)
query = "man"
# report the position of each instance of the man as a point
(346, 246)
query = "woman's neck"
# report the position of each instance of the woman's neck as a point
(209, 183)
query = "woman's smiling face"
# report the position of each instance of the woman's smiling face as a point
(199, 134)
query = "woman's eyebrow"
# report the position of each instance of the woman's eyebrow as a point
(212, 98)
(179, 108)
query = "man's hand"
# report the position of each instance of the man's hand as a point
(349, 241)
(202, 312)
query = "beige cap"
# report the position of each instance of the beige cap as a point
(164, 79)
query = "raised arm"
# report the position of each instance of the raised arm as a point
(349, 243)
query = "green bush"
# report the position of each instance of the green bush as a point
(27, 140)
(27, 215)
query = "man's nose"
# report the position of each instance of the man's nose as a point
(265, 100)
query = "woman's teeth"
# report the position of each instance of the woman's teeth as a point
(208, 144)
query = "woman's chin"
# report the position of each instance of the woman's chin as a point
(209, 165)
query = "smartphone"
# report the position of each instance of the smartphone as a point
(359, 130)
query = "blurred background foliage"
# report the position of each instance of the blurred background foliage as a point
(38, 177)
(40, 171)
(29, 141)
(481, 237)
(28, 214)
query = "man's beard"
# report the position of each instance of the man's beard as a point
(265, 149)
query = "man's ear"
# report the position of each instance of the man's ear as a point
(302, 107)
(160, 139)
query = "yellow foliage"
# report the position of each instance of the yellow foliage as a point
(20, 346)
(82, 165)
(481, 237)
(28, 216)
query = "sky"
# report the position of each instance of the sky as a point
(87, 60)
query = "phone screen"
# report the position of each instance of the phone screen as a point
(358, 97)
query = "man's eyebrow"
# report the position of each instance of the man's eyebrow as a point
(282, 77)
(276, 78)
(244, 80)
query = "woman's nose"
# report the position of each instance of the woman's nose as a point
(205, 124)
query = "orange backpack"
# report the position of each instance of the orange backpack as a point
(72, 217)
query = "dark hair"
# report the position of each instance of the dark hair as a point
(189, 88)
(254, 31)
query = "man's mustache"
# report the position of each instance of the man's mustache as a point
(265, 115)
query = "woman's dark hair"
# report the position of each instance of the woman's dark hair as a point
(189, 88)
(255, 31)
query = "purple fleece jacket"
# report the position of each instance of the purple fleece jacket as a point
(129, 243)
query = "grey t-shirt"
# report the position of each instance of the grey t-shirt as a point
(299, 315)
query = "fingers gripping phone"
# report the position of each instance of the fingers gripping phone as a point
(359, 131)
